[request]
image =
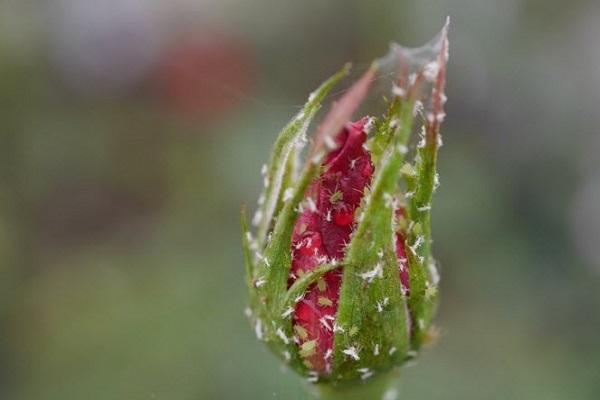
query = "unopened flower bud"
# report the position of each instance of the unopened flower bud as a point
(343, 286)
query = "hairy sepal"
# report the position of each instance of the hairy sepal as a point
(289, 139)
(373, 311)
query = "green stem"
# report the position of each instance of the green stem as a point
(372, 389)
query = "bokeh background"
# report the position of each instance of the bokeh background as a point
(132, 130)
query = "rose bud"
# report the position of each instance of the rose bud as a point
(343, 286)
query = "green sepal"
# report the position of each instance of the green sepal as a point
(423, 296)
(290, 176)
(247, 253)
(276, 262)
(267, 258)
(286, 142)
(273, 269)
(372, 310)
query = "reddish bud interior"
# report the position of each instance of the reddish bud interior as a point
(322, 233)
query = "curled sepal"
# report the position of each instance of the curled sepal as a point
(293, 354)
(297, 290)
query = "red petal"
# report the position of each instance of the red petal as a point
(342, 186)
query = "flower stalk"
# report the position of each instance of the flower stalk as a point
(382, 386)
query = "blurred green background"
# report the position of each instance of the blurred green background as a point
(131, 131)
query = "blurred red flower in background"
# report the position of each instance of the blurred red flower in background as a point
(205, 74)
